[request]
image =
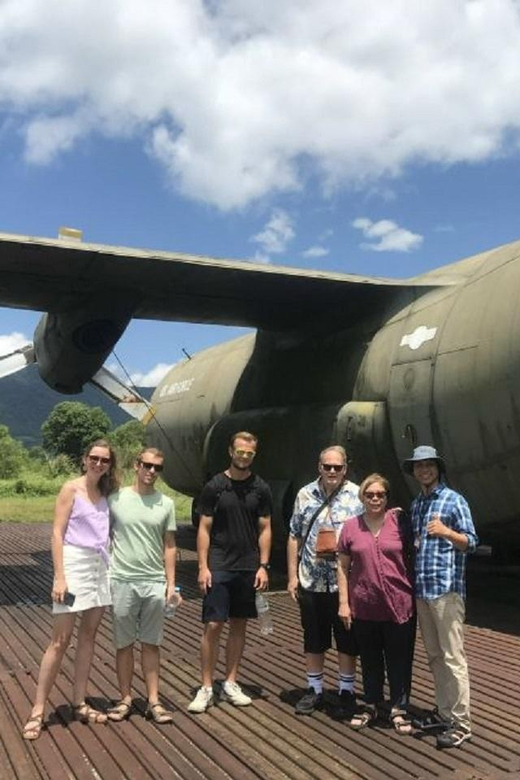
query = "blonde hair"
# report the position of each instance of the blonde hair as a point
(371, 480)
(250, 437)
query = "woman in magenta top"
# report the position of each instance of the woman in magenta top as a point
(80, 538)
(377, 599)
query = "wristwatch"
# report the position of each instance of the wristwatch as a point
(265, 566)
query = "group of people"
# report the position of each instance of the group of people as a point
(364, 573)
(109, 546)
(360, 572)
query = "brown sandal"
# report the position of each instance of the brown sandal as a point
(401, 724)
(33, 727)
(362, 719)
(120, 711)
(87, 714)
(158, 714)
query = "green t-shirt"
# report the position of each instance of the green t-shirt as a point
(139, 523)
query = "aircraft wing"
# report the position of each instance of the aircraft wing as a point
(57, 275)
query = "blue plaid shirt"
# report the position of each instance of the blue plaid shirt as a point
(439, 567)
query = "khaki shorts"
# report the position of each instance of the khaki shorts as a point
(137, 612)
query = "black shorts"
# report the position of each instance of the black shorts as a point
(319, 616)
(232, 594)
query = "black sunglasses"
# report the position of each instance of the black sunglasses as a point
(375, 494)
(332, 467)
(149, 466)
(97, 459)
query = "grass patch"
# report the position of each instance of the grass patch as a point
(40, 509)
(30, 509)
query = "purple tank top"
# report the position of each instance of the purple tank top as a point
(88, 525)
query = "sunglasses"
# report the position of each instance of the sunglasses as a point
(375, 494)
(149, 466)
(97, 459)
(244, 453)
(332, 467)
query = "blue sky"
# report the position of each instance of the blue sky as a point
(300, 134)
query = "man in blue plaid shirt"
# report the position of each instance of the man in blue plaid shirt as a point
(444, 533)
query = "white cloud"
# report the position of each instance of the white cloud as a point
(152, 377)
(12, 341)
(139, 378)
(315, 251)
(239, 100)
(387, 236)
(277, 233)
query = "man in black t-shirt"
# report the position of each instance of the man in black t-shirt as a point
(233, 546)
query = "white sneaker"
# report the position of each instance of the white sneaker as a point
(233, 693)
(202, 700)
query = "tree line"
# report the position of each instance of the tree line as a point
(68, 430)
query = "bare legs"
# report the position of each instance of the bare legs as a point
(150, 658)
(84, 651)
(234, 649)
(62, 627)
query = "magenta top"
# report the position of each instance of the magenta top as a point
(88, 525)
(380, 581)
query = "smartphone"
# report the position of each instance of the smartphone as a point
(69, 599)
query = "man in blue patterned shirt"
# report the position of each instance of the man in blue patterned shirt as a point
(313, 579)
(444, 533)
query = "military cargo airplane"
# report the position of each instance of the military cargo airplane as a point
(378, 365)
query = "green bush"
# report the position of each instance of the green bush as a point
(30, 485)
(14, 455)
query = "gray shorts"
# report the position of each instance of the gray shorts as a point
(137, 612)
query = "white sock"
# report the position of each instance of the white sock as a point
(315, 680)
(346, 682)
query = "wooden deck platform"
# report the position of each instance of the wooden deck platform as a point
(264, 741)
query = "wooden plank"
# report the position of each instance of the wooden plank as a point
(265, 740)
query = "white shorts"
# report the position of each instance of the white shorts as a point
(86, 575)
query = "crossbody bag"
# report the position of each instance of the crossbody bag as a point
(326, 542)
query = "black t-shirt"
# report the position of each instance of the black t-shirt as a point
(235, 506)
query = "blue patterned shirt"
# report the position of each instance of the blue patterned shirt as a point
(439, 567)
(314, 573)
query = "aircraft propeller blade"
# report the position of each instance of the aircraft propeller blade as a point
(17, 360)
(125, 397)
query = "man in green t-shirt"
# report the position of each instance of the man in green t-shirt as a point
(142, 572)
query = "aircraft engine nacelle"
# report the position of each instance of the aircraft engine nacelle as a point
(71, 345)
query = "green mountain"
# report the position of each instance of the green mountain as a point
(26, 402)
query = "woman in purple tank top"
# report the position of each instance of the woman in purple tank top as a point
(80, 539)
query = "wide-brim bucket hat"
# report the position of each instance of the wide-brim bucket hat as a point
(423, 452)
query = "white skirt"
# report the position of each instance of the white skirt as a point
(86, 575)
